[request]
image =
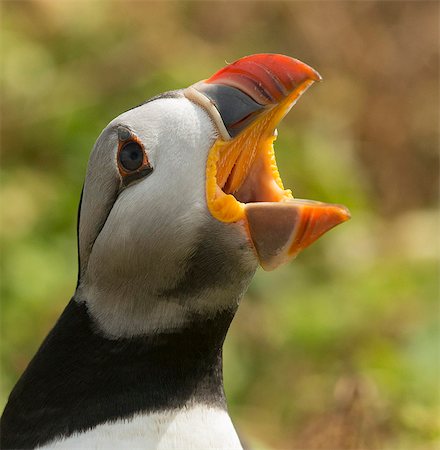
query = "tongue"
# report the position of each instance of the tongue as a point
(279, 231)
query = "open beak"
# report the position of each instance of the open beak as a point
(247, 99)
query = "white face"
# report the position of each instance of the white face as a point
(152, 256)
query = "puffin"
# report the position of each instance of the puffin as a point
(182, 202)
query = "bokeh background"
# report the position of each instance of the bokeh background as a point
(339, 349)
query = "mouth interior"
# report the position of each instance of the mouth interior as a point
(244, 170)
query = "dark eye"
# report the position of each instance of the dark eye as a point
(131, 156)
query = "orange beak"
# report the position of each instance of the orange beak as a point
(247, 99)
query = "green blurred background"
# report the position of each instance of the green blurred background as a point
(339, 349)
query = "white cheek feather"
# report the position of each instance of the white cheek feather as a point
(152, 227)
(197, 428)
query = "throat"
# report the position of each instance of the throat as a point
(79, 378)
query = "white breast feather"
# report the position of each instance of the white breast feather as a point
(197, 428)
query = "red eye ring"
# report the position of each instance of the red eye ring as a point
(131, 157)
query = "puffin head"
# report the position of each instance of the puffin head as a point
(183, 200)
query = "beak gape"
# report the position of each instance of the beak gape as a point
(247, 99)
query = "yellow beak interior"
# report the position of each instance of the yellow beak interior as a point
(243, 169)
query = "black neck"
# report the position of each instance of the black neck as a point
(79, 378)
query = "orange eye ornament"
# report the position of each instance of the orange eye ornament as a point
(132, 158)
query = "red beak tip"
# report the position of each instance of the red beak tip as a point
(345, 213)
(316, 76)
